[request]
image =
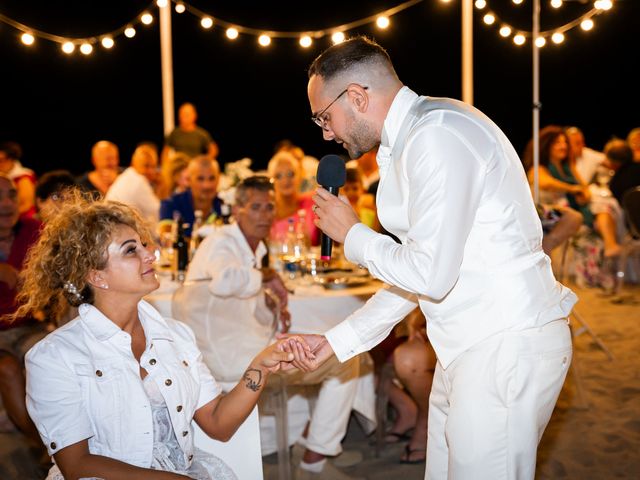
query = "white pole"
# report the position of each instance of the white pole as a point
(167, 68)
(467, 51)
(536, 100)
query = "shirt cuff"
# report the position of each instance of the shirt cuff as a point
(344, 341)
(355, 243)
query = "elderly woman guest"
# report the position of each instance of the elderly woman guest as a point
(284, 169)
(114, 392)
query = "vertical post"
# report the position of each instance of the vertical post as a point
(467, 51)
(536, 100)
(166, 58)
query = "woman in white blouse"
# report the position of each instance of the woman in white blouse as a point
(113, 392)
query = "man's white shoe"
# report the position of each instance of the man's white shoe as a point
(329, 472)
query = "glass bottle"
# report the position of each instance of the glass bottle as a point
(195, 239)
(181, 251)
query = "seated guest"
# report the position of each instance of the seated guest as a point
(176, 174)
(285, 171)
(16, 237)
(24, 178)
(363, 203)
(134, 185)
(204, 175)
(587, 160)
(50, 191)
(627, 176)
(633, 139)
(308, 164)
(115, 391)
(106, 159)
(230, 261)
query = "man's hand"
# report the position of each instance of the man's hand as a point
(320, 351)
(334, 217)
(277, 355)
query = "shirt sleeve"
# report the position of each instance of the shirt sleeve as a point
(445, 177)
(166, 209)
(371, 324)
(54, 399)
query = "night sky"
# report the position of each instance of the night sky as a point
(56, 106)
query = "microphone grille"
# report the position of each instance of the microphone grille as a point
(331, 171)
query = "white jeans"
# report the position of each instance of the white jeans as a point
(489, 408)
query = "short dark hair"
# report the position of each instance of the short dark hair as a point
(54, 182)
(618, 151)
(260, 183)
(13, 150)
(342, 56)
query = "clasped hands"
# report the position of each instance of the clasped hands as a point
(305, 352)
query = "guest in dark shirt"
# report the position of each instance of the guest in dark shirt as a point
(50, 192)
(627, 176)
(106, 159)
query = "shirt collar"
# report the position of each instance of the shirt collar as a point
(103, 328)
(261, 251)
(399, 109)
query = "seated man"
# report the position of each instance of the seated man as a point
(204, 175)
(230, 260)
(16, 236)
(105, 158)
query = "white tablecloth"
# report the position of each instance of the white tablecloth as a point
(313, 309)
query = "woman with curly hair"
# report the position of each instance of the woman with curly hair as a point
(114, 392)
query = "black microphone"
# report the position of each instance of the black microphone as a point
(331, 175)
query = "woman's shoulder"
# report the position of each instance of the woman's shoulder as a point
(61, 341)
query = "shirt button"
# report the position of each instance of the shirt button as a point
(184, 362)
(53, 445)
(99, 373)
(179, 408)
(185, 433)
(152, 361)
(167, 382)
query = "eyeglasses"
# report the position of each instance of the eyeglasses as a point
(320, 119)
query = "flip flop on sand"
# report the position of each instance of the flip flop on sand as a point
(410, 456)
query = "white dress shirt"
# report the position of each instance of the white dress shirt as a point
(232, 322)
(587, 164)
(454, 191)
(83, 382)
(135, 190)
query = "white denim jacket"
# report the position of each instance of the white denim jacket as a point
(83, 382)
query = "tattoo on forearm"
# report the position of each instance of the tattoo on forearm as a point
(253, 378)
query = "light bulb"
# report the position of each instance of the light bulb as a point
(382, 21)
(86, 48)
(337, 37)
(162, 3)
(68, 47)
(480, 4)
(146, 18)
(557, 37)
(517, 2)
(27, 39)
(505, 30)
(180, 8)
(541, 42)
(519, 39)
(556, 3)
(232, 33)
(107, 42)
(603, 4)
(129, 32)
(206, 22)
(586, 25)
(264, 40)
(305, 41)
(489, 19)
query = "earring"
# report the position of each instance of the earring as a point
(105, 286)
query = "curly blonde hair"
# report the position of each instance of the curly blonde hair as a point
(72, 243)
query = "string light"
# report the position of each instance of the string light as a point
(162, 3)
(556, 3)
(603, 4)
(505, 30)
(86, 48)
(305, 41)
(232, 33)
(480, 4)
(382, 21)
(129, 32)
(541, 42)
(337, 37)
(586, 25)
(206, 22)
(146, 18)
(107, 42)
(68, 47)
(180, 8)
(264, 40)
(489, 19)
(519, 39)
(517, 2)
(27, 39)
(557, 38)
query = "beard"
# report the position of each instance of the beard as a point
(362, 138)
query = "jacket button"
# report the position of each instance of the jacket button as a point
(179, 408)
(184, 362)
(99, 373)
(152, 361)
(190, 457)
(53, 445)
(167, 382)
(185, 433)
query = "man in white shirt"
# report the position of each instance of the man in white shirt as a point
(454, 192)
(233, 323)
(133, 186)
(587, 159)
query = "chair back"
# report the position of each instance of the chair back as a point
(631, 206)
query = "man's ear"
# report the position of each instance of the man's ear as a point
(358, 97)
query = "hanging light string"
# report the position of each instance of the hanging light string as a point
(556, 34)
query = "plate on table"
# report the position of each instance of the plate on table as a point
(337, 280)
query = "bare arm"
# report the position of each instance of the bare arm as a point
(75, 461)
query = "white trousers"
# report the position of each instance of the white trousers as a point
(489, 408)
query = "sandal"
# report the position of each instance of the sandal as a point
(408, 452)
(395, 437)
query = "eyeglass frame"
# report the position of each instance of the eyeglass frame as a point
(322, 122)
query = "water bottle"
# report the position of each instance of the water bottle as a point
(181, 251)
